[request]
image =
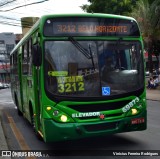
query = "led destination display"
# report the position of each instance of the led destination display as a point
(90, 27)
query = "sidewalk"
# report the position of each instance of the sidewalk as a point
(153, 94)
(3, 145)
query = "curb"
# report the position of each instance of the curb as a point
(153, 95)
(153, 99)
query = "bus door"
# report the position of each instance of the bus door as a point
(38, 108)
(25, 94)
(20, 92)
(36, 56)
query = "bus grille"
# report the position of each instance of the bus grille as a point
(106, 116)
(99, 107)
(101, 127)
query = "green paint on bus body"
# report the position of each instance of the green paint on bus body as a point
(64, 104)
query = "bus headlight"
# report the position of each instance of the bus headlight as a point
(57, 115)
(63, 118)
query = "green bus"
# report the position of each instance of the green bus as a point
(80, 75)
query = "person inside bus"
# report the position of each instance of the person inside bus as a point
(106, 69)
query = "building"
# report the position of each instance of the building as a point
(27, 23)
(7, 43)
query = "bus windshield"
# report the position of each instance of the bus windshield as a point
(93, 68)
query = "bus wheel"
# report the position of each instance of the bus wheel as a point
(34, 128)
(18, 111)
(33, 123)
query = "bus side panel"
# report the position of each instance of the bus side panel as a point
(19, 88)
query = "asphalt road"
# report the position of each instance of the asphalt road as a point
(87, 148)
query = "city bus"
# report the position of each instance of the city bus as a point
(80, 75)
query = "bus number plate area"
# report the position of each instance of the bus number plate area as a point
(137, 121)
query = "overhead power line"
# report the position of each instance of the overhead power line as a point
(3, 4)
(23, 6)
(12, 24)
(25, 23)
(8, 18)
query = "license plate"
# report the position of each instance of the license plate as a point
(137, 121)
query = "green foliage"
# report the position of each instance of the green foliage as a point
(148, 17)
(120, 7)
(147, 13)
(150, 1)
(156, 47)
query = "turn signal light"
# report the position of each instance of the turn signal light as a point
(48, 108)
(134, 111)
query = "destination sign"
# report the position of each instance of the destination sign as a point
(90, 27)
(63, 28)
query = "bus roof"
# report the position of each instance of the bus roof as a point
(100, 15)
(44, 17)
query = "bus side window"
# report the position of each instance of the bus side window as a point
(15, 63)
(25, 58)
(30, 57)
(11, 63)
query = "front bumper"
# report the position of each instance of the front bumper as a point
(54, 131)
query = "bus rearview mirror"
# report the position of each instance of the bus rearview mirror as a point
(36, 55)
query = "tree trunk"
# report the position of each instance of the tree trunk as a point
(157, 63)
(150, 57)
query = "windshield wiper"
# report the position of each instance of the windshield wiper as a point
(84, 51)
(80, 47)
(90, 52)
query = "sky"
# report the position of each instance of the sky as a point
(12, 17)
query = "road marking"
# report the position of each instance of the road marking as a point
(21, 141)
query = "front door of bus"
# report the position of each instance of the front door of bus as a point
(19, 86)
(25, 70)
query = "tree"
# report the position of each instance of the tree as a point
(120, 7)
(156, 50)
(147, 13)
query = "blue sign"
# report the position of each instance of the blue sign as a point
(106, 91)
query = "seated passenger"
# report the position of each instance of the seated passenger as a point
(156, 81)
(151, 83)
(106, 69)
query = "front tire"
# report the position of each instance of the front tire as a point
(17, 105)
(34, 128)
